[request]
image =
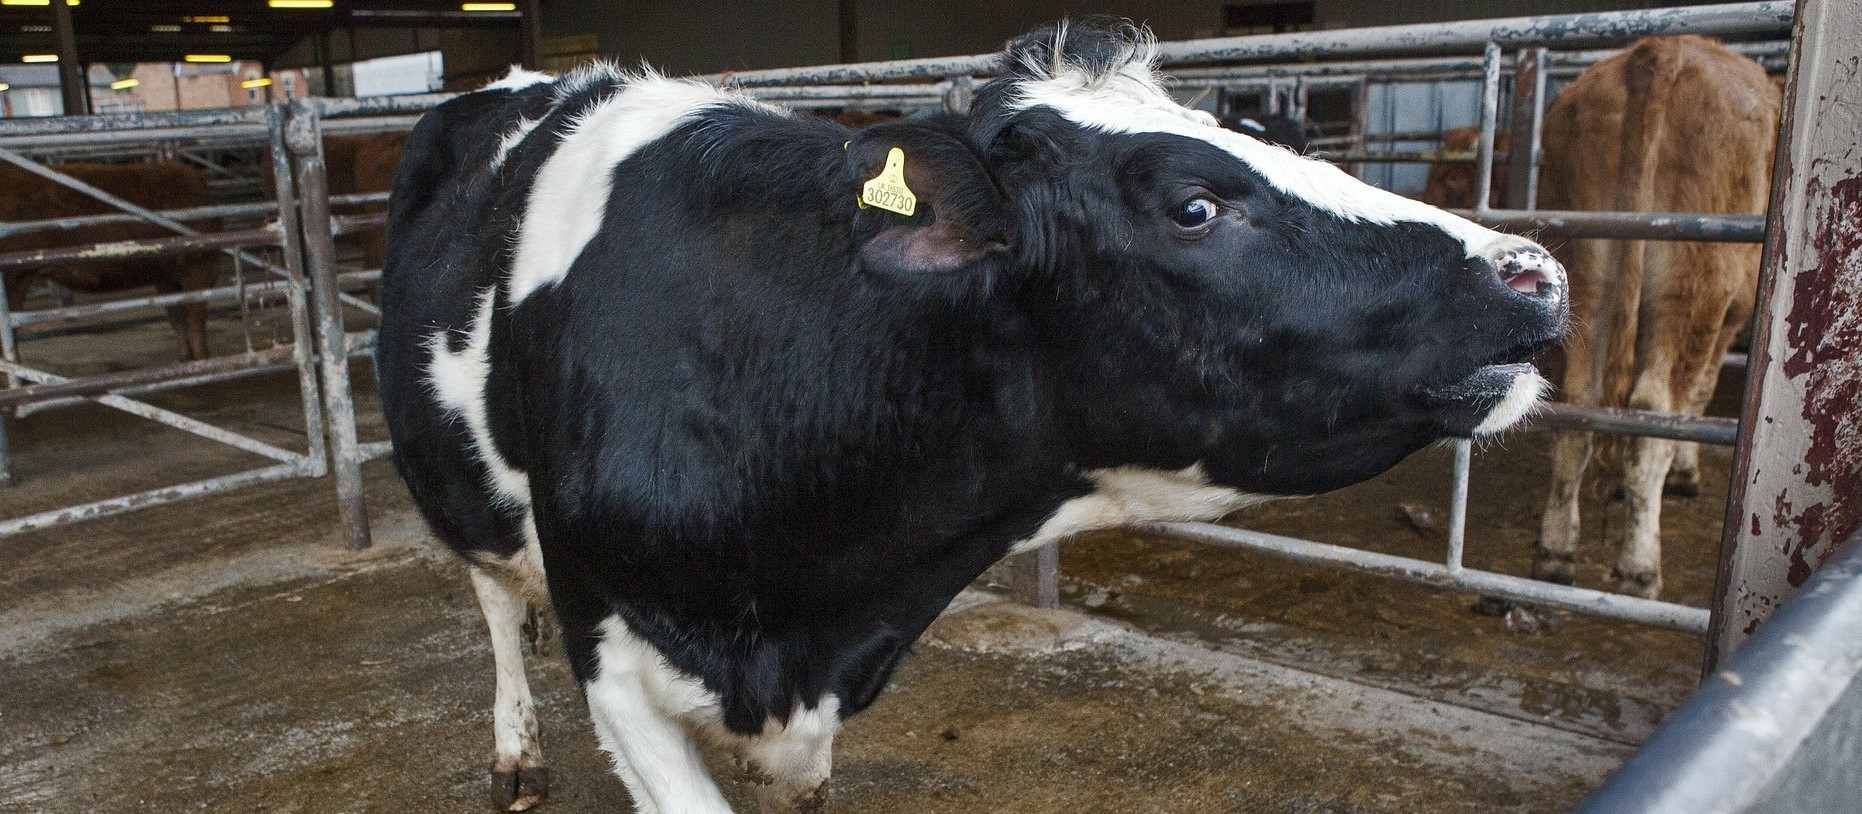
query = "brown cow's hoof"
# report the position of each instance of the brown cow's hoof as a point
(1647, 586)
(520, 790)
(1552, 567)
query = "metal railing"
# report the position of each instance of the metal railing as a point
(30, 388)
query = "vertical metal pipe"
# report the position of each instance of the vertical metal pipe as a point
(1036, 577)
(1522, 191)
(320, 256)
(1797, 474)
(9, 351)
(533, 34)
(1458, 505)
(70, 73)
(1490, 114)
(297, 295)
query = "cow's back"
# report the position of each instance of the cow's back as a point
(1672, 124)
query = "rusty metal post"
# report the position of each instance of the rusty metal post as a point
(306, 142)
(1522, 191)
(9, 351)
(298, 296)
(1797, 480)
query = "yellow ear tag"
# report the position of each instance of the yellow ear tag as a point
(887, 190)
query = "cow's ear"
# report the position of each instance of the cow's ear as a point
(930, 169)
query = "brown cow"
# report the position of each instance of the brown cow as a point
(159, 185)
(1450, 185)
(1673, 124)
(364, 163)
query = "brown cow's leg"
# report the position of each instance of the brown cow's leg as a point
(1556, 557)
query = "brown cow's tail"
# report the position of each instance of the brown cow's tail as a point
(1650, 70)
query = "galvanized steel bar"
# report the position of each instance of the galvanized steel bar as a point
(60, 142)
(1458, 504)
(153, 497)
(917, 92)
(1625, 225)
(1518, 589)
(1558, 415)
(168, 384)
(203, 120)
(152, 247)
(1732, 18)
(168, 417)
(1490, 123)
(119, 379)
(1728, 746)
(1797, 478)
(72, 313)
(339, 412)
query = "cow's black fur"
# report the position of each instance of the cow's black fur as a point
(777, 433)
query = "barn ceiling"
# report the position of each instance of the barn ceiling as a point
(167, 30)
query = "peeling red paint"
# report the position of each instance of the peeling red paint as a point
(1824, 342)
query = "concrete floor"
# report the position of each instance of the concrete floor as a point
(227, 654)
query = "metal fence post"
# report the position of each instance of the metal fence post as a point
(1797, 481)
(1522, 191)
(306, 142)
(297, 292)
(1490, 115)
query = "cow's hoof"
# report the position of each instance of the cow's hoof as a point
(1681, 487)
(520, 790)
(1558, 568)
(1645, 585)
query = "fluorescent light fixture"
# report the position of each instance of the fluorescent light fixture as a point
(4, 87)
(209, 18)
(34, 2)
(124, 84)
(488, 6)
(36, 29)
(207, 58)
(255, 83)
(299, 3)
(39, 58)
(220, 29)
(165, 29)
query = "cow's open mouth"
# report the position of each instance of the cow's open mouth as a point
(1494, 396)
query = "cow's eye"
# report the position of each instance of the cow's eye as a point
(1195, 213)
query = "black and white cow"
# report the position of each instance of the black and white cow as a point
(647, 357)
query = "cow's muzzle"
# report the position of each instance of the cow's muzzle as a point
(1529, 271)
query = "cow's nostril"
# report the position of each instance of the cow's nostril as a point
(1531, 272)
(1527, 282)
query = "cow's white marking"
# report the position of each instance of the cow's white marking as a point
(644, 710)
(458, 381)
(1521, 396)
(570, 194)
(512, 138)
(1130, 495)
(518, 78)
(1133, 101)
(789, 762)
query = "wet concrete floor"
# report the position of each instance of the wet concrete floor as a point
(227, 654)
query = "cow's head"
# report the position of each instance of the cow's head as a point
(1203, 296)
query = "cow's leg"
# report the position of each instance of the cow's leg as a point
(788, 767)
(519, 780)
(644, 713)
(1639, 564)
(1556, 557)
(189, 321)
